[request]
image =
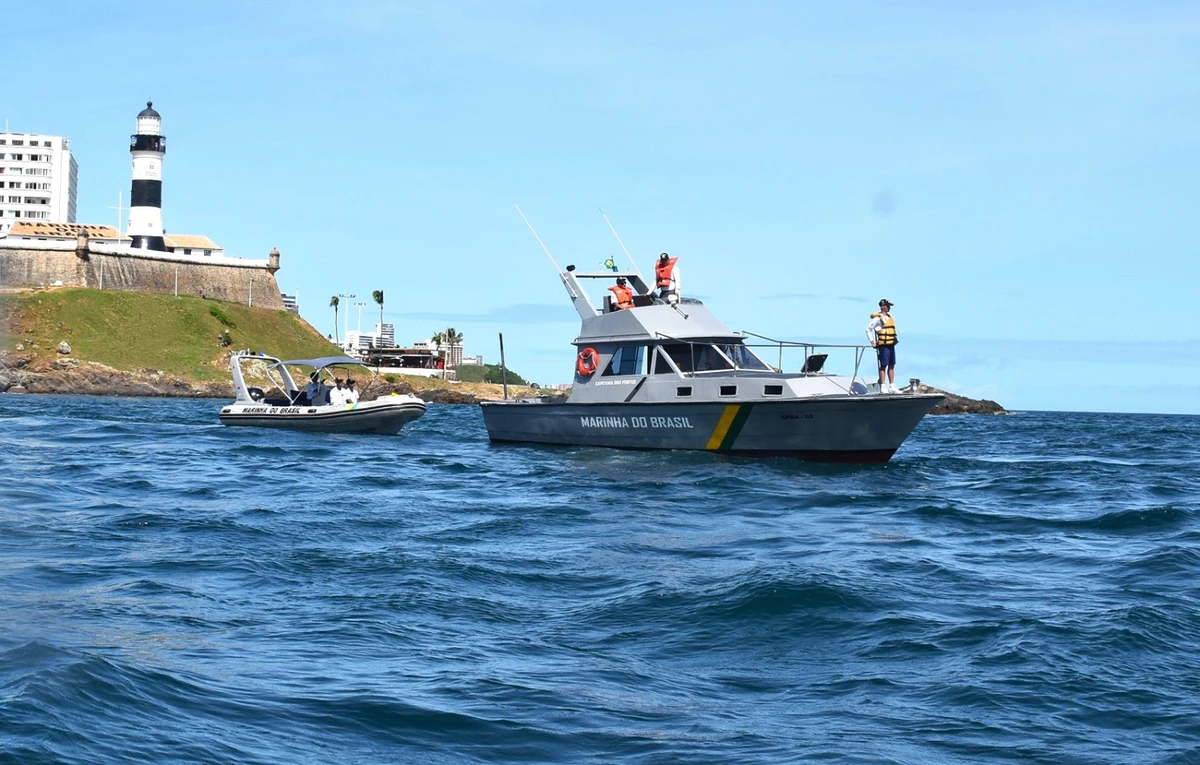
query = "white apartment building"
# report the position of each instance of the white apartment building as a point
(384, 336)
(38, 179)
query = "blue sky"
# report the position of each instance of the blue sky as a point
(1018, 178)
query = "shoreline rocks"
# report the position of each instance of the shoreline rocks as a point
(68, 375)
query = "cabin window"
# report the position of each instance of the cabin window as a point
(743, 357)
(728, 390)
(662, 366)
(692, 357)
(626, 360)
(772, 390)
(683, 391)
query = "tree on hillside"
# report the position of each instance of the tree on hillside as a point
(377, 296)
(333, 301)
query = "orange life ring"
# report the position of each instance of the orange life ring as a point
(589, 359)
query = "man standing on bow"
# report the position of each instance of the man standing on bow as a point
(666, 278)
(882, 334)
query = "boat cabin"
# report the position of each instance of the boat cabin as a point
(658, 351)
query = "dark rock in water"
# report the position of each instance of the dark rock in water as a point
(955, 404)
(442, 396)
(434, 396)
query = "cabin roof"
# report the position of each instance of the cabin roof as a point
(690, 321)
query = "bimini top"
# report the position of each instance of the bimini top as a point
(321, 363)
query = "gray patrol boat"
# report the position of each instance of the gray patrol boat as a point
(673, 376)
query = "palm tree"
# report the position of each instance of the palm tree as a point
(452, 338)
(333, 301)
(377, 296)
(438, 340)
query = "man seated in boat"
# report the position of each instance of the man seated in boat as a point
(316, 393)
(337, 396)
(622, 295)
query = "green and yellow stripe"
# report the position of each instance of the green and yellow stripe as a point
(729, 426)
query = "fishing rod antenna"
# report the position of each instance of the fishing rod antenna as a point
(618, 236)
(538, 238)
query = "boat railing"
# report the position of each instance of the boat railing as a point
(812, 364)
(810, 350)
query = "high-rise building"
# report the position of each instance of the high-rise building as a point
(386, 335)
(38, 179)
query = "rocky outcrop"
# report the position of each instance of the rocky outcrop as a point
(65, 374)
(30, 374)
(955, 404)
(70, 375)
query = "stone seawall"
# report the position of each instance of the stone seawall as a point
(236, 283)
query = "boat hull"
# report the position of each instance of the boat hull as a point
(856, 429)
(383, 416)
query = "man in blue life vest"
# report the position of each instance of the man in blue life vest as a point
(666, 278)
(882, 334)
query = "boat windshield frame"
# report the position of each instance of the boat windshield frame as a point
(280, 376)
(810, 349)
(326, 363)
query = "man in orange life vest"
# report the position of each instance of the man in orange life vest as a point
(622, 295)
(882, 334)
(666, 278)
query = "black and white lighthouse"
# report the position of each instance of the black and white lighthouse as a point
(147, 146)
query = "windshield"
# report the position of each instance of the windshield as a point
(743, 357)
(696, 358)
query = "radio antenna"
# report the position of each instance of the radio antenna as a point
(618, 236)
(538, 238)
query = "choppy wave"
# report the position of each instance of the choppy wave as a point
(1005, 590)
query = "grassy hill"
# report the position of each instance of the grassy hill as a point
(488, 373)
(133, 331)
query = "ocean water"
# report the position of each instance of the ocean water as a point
(1013, 589)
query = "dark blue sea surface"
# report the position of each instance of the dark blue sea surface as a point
(1007, 589)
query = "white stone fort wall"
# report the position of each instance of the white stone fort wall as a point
(43, 268)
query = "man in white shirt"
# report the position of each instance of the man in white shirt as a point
(351, 392)
(337, 396)
(882, 334)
